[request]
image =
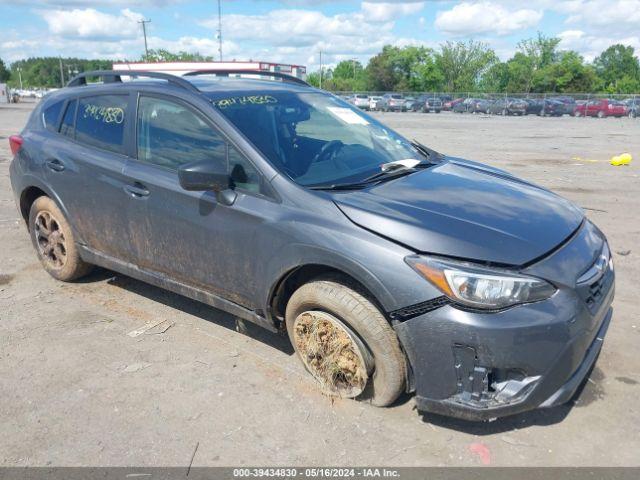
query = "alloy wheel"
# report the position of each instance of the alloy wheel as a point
(50, 240)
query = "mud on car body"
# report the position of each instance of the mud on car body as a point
(390, 267)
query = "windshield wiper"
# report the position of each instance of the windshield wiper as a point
(340, 186)
(389, 171)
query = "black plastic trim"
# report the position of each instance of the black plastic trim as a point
(407, 313)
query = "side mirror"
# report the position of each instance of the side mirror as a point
(204, 175)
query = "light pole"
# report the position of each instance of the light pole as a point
(61, 72)
(321, 69)
(144, 33)
(219, 29)
(20, 76)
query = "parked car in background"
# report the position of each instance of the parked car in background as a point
(449, 104)
(508, 106)
(534, 106)
(568, 104)
(633, 107)
(392, 102)
(361, 100)
(601, 108)
(408, 104)
(466, 106)
(427, 103)
(374, 102)
(482, 106)
(552, 108)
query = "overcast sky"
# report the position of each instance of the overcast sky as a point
(294, 31)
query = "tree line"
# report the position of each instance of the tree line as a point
(53, 72)
(538, 66)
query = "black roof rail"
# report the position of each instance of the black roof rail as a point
(114, 76)
(226, 72)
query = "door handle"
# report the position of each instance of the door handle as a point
(137, 190)
(55, 165)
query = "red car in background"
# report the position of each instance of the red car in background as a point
(452, 103)
(601, 109)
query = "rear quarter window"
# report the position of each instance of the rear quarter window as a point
(51, 116)
(100, 121)
(67, 127)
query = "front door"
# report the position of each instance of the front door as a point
(190, 236)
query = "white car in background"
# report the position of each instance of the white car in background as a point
(374, 103)
(361, 100)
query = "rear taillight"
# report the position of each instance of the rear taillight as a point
(15, 141)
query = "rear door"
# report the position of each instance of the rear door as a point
(85, 168)
(190, 236)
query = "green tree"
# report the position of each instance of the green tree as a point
(568, 74)
(409, 68)
(463, 64)
(533, 55)
(496, 78)
(4, 73)
(45, 71)
(348, 76)
(161, 55)
(618, 69)
(381, 72)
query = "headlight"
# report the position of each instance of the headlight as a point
(480, 287)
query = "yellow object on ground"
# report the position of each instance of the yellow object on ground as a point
(622, 159)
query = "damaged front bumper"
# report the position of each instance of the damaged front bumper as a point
(483, 365)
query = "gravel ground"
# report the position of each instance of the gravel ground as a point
(76, 389)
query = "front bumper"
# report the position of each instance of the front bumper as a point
(482, 365)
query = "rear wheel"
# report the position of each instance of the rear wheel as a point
(577, 113)
(53, 240)
(600, 114)
(345, 343)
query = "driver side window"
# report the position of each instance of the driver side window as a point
(170, 135)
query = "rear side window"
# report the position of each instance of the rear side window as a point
(170, 134)
(51, 116)
(67, 127)
(101, 121)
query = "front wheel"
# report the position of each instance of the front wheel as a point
(345, 342)
(600, 114)
(53, 241)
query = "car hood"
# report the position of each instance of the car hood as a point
(466, 210)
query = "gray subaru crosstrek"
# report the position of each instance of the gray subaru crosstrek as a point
(391, 267)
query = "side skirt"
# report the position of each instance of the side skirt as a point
(160, 280)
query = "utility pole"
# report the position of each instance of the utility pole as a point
(219, 30)
(321, 69)
(61, 73)
(144, 32)
(353, 62)
(20, 76)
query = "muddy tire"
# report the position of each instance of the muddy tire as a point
(344, 306)
(53, 241)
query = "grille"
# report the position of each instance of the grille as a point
(594, 284)
(596, 293)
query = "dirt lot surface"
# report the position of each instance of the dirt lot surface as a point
(78, 388)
